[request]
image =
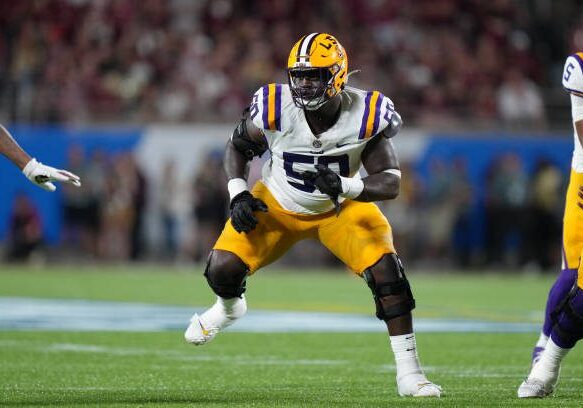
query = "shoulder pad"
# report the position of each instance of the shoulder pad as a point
(377, 113)
(573, 74)
(266, 107)
(394, 126)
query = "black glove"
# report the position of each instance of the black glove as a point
(242, 207)
(326, 181)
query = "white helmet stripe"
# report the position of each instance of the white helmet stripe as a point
(305, 46)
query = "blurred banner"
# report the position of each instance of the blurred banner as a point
(453, 184)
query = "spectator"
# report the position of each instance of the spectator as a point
(25, 230)
(211, 202)
(117, 212)
(461, 200)
(138, 187)
(506, 199)
(440, 213)
(80, 208)
(169, 209)
(546, 208)
(520, 103)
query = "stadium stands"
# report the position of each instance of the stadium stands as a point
(446, 63)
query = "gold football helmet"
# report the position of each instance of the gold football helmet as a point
(317, 70)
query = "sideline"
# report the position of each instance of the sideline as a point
(18, 313)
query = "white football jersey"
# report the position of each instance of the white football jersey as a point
(573, 83)
(295, 149)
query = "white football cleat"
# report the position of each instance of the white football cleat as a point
(223, 313)
(535, 388)
(417, 385)
(544, 374)
(197, 333)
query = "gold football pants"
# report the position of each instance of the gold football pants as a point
(359, 236)
(573, 227)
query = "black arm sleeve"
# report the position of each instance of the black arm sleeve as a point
(243, 143)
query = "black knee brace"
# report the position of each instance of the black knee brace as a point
(394, 284)
(225, 285)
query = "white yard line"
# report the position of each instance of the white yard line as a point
(182, 356)
(83, 315)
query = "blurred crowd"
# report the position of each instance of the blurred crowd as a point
(106, 219)
(510, 219)
(445, 63)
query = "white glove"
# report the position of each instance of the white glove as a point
(42, 175)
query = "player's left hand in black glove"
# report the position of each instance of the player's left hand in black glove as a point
(327, 182)
(242, 207)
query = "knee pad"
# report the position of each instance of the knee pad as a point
(568, 318)
(226, 280)
(390, 288)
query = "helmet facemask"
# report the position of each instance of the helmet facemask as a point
(312, 87)
(317, 66)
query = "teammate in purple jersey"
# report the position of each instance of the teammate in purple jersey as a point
(563, 325)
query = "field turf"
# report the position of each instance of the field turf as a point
(268, 369)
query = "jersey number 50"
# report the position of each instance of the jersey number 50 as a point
(290, 158)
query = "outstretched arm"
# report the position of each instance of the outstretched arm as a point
(38, 173)
(11, 149)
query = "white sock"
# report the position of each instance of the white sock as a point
(550, 362)
(224, 312)
(234, 307)
(406, 358)
(542, 340)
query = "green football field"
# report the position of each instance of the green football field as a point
(120, 368)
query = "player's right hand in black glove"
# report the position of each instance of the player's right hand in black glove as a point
(242, 207)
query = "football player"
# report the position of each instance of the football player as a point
(563, 325)
(319, 132)
(38, 173)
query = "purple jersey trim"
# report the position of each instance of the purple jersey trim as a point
(278, 107)
(265, 107)
(365, 116)
(574, 92)
(377, 114)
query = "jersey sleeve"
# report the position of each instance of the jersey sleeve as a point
(573, 74)
(378, 110)
(265, 109)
